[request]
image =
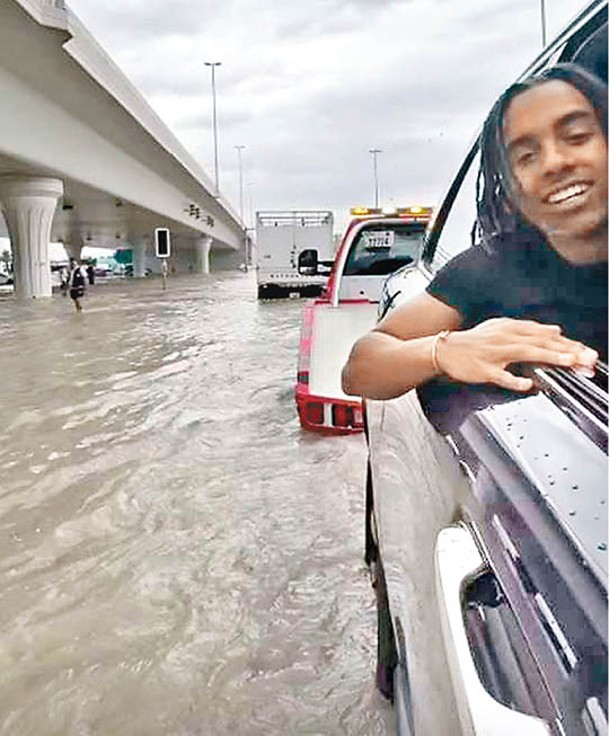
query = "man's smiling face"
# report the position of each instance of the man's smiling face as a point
(558, 159)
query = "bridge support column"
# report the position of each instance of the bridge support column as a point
(203, 247)
(28, 205)
(139, 260)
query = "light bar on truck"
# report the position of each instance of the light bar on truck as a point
(414, 213)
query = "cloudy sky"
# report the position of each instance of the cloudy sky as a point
(309, 87)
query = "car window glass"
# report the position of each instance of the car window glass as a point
(456, 234)
(382, 249)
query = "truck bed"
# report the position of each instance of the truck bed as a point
(334, 330)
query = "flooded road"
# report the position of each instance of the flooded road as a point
(176, 556)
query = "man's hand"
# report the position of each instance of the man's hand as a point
(482, 354)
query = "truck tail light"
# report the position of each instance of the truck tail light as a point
(315, 413)
(342, 416)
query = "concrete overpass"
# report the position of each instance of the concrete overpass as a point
(86, 161)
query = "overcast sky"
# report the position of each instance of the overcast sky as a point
(309, 87)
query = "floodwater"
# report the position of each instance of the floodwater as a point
(176, 555)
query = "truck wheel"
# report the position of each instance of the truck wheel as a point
(386, 656)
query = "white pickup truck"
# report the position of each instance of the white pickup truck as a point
(376, 243)
(294, 252)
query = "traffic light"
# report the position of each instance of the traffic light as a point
(162, 242)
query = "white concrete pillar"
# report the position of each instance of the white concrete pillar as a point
(139, 260)
(28, 205)
(203, 247)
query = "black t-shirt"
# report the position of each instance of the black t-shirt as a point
(533, 283)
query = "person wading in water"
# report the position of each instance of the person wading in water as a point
(77, 284)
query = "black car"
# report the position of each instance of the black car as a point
(486, 523)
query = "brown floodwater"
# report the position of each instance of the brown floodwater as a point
(176, 555)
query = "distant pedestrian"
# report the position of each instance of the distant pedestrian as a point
(91, 273)
(64, 280)
(164, 269)
(77, 284)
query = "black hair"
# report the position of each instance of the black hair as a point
(497, 215)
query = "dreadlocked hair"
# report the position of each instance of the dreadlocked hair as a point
(497, 216)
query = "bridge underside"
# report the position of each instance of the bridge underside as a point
(84, 216)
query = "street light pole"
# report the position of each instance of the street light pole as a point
(239, 149)
(543, 24)
(213, 65)
(375, 152)
(252, 218)
(252, 253)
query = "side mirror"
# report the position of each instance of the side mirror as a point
(307, 262)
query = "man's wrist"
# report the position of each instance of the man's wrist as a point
(436, 344)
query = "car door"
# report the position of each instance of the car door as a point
(538, 469)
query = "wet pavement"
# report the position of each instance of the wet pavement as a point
(176, 555)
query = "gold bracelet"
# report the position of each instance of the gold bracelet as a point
(440, 337)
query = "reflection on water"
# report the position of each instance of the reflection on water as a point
(176, 557)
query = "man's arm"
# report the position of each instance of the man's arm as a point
(398, 354)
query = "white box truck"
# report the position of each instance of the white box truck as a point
(294, 252)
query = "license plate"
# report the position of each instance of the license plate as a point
(380, 239)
